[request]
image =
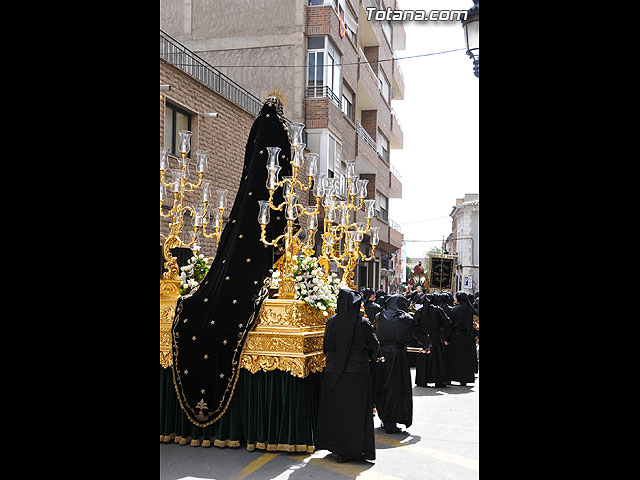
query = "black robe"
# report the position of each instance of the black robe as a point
(460, 354)
(371, 309)
(432, 368)
(345, 414)
(395, 330)
(211, 325)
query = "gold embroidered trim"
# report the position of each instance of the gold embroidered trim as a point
(264, 292)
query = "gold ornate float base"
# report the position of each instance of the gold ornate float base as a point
(288, 336)
(169, 292)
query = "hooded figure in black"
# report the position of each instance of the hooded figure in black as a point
(371, 305)
(345, 413)
(393, 395)
(371, 309)
(432, 319)
(460, 354)
(211, 325)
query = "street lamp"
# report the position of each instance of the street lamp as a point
(471, 26)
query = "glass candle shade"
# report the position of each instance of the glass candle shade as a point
(369, 208)
(197, 219)
(350, 241)
(185, 141)
(331, 211)
(216, 219)
(222, 197)
(164, 159)
(202, 162)
(288, 187)
(313, 222)
(264, 215)
(375, 235)
(295, 133)
(292, 209)
(206, 191)
(163, 192)
(312, 164)
(175, 186)
(351, 169)
(362, 188)
(298, 155)
(272, 176)
(353, 185)
(273, 155)
(344, 215)
(318, 185)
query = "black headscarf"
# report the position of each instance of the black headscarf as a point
(211, 325)
(366, 293)
(380, 296)
(342, 326)
(395, 306)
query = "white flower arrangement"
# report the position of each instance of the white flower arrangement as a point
(312, 287)
(193, 273)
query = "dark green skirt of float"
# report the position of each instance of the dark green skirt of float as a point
(272, 411)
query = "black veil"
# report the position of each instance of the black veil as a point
(211, 325)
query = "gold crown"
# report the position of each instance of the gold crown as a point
(276, 92)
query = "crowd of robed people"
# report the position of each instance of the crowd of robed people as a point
(367, 364)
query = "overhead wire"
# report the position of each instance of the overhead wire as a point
(322, 65)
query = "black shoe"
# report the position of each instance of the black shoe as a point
(342, 459)
(391, 428)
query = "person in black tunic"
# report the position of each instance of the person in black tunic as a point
(432, 368)
(371, 305)
(345, 414)
(393, 394)
(371, 309)
(460, 354)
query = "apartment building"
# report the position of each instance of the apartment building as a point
(336, 71)
(464, 242)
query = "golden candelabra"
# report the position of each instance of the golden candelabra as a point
(200, 215)
(339, 212)
(290, 205)
(170, 283)
(325, 190)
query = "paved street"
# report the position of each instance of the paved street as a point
(443, 443)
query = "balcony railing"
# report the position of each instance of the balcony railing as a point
(395, 171)
(176, 54)
(325, 91)
(364, 134)
(395, 225)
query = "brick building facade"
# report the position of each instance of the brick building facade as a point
(223, 138)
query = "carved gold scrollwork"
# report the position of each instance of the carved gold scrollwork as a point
(169, 291)
(288, 336)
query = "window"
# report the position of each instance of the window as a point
(175, 119)
(383, 146)
(383, 85)
(323, 69)
(347, 102)
(381, 206)
(335, 167)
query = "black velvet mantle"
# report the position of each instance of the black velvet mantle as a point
(211, 325)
